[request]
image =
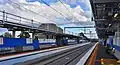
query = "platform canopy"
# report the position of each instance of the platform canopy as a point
(106, 16)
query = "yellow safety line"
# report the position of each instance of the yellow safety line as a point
(92, 58)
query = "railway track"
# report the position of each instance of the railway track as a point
(67, 58)
(37, 52)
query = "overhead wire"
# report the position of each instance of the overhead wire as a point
(55, 10)
(68, 10)
(50, 7)
(31, 10)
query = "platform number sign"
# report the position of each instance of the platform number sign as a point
(1, 41)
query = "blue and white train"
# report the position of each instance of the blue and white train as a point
(10, 45)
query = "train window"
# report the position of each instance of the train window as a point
(29, 41)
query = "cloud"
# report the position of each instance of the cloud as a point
(42, 13)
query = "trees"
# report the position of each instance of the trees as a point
(7, 34)
(24, 34)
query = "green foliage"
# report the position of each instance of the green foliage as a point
(7, 35)
(24, 34)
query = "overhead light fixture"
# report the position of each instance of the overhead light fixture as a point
(110, 25)
(116, 15)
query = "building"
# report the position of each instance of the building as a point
(49, 27)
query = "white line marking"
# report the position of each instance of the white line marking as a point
(86, 56)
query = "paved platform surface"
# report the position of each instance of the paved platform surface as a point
(101, 53)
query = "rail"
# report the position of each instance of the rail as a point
(66, 57)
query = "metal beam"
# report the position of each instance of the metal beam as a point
(105, 1)
(79, 27)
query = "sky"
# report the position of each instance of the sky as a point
(74, 12)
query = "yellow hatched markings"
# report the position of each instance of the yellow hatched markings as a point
(110, 62)
(102, 61)
(118, 61)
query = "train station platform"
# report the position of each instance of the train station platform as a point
(100, 57)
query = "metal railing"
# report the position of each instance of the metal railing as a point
(5, 16)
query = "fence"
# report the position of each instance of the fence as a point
(5, 16)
